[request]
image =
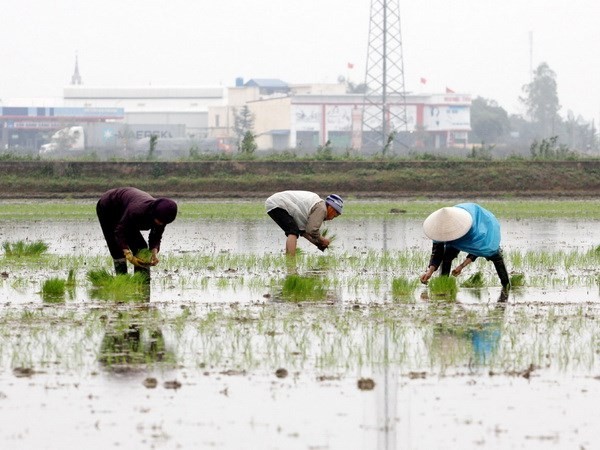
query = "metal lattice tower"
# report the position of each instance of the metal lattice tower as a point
(384, 107)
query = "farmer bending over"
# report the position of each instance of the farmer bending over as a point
(465, 227)
(301, 213)
(122, 213)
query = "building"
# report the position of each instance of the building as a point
(297, 117)
(309, 116)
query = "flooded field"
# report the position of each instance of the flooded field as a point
(221, 351)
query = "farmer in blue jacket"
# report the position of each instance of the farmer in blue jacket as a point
(465, 227)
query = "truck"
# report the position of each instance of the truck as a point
(107, 138)
(71, 139)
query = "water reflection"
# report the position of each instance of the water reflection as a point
(133, 340)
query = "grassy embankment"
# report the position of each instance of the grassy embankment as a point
(242, 179)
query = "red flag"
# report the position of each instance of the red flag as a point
(423, 80)
(350, 66)
(449, 91)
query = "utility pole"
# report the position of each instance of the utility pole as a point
(384, 120)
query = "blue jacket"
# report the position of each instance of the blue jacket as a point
(483, 238)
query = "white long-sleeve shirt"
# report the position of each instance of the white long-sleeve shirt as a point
(306, 208)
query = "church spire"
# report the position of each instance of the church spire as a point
(76, 78)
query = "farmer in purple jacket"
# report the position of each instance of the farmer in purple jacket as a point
(122, 213)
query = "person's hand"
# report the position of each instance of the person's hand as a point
(427, 275)
(154, 258)
(323, 243)
(132, 259)
(457, 271)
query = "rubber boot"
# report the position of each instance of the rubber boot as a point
(501, 270)
(120, 266)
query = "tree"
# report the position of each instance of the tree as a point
(248, 145)
(356, 88)
(489, 121)
(541, 99)
(243, 122)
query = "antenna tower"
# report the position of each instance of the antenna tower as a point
(384, 120)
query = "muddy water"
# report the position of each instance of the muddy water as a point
(362, 369)
(263, 236)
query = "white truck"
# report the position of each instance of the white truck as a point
(66, 139)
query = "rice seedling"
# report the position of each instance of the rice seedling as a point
(474, 281)
(144, 255)
(517, 280)
(299, 288)
(443, 286)
(99, 277)
(403, 287)
(53, 290)
(23, 248)
(326, 234)
(120, 287)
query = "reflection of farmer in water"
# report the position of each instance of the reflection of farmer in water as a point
(129, 342)
(482, 338)
(465, 227)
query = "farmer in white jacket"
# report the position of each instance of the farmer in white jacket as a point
(301, 213)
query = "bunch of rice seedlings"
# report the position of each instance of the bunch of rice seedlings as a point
(144, 255)
(53, 290)
(298, 288)
(99, 277)
(443, 286)
(119, 287)
(403, 287)
(331, 237)
(474, 281)
(23, 248)
(517, 280)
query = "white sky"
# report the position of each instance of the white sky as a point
(481, 47)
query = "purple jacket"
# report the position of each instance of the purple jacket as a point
(132, 210)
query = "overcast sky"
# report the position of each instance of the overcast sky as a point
(480, 47)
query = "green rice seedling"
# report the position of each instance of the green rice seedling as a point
(517, 279)
(474, 281)
(144, 255)
(403, 287)
(53, 290)
(298, 288)
(23, 248)
(120, 287)
(326, 234)
(443, 286)
(99, 277)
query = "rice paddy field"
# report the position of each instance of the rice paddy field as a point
(232, 345)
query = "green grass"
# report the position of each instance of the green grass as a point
(254, 209)
(22, 248)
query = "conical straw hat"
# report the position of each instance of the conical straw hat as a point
(447, 224)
